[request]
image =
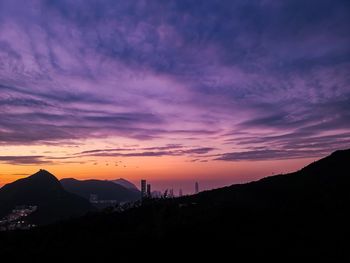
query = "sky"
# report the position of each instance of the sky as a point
(175, 91)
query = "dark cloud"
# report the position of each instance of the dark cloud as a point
(202, 150)
(24, 160)
(135, 148)
(39, 127)
(47, 127)
(104, 151)
(168, 150)
(157, 152)
(241, 30)
(166, 147)
(287, 146)
(260, 155)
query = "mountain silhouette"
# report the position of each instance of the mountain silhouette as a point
(125, 183)
(105, 190)
(297, 216)
(45, 191)
(325, 179)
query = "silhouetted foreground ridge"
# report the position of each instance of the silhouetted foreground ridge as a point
(298, 216)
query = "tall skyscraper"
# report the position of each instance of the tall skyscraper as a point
(149, 195)
(143, 189)
(180, 192)
(196, 188)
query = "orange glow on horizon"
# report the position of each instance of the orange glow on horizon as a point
(163, 172)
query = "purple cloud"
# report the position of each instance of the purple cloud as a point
(177, 71)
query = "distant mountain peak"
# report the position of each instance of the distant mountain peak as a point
(43, 172)
(45, 191)
(44, 175)
(104, 189)
(125, 183)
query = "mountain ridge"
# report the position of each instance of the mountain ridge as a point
(125, 183)
(105, 190)
(44, 190)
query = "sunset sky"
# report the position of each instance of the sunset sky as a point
(173, 91)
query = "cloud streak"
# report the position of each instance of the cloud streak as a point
(168, 150)
(24, 160)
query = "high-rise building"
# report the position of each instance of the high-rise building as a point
(196, 188)
(149, 194)
(171, 193)
(180, 192)
(143, 189)
(166, 194)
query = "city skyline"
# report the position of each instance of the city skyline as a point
(174, 92)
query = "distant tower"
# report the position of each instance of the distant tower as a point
(165, 195)
(196, 188)
(180, 192)
(171, 193)
(143, 189)
(149, 195)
